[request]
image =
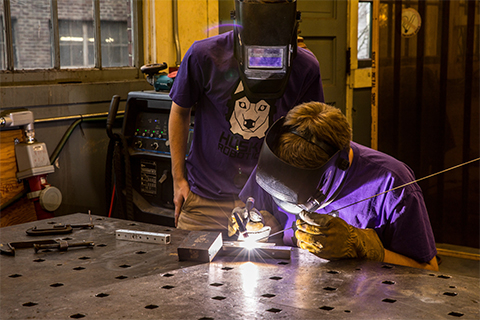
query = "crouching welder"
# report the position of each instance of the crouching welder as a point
(333, 196)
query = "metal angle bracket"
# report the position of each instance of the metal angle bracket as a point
(143, 236)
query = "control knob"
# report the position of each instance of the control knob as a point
(138, 144)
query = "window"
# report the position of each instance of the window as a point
(76, 43)
(65, 30)
(364, 35)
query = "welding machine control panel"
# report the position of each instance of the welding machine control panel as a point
(145, 128)
(151, 132)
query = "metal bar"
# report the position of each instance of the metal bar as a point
(374, 94)
(98, 35)
(8, 35)
(397, 64)
(76, 117)
(175, 32)
(467, 113)
(142, 236)
(55, 34)
(442, 110)
(420, 65)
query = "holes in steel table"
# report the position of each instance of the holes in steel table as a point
(39, 260)
(77, 316)
(29, 304)
(168, 287)
(274, 310)
(333, 272)
(168, 275)
(283, 263)
(387, 266)
(78, 268)
(268, 295)
(442, 276)
(125, 266)
(151, 306)
(206, 318)
(16, 275)
(55, 285)
(330, 288)
(227, 268)
(67, 238)
(216, 284)
(101, 245)
(275, 278)
(389, 300)
(121, 277)
(84, 258)
(132, 224)
(219, 298)
(451, 294)
(388, 282)
(140, 252)
(101, 295)
(327, 308)
(455, 314)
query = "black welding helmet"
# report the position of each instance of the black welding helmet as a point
(295, 189)
(265, 44)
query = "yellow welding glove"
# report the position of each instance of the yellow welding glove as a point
(332, 238)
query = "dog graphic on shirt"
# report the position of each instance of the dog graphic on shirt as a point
(248, 118)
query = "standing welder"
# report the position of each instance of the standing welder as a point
(310, 167)
(239, 82)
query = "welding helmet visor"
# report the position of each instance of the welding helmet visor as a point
(295, 189)
(265, 44)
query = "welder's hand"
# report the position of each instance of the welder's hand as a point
(180, 193)
(252, 220)
(332, 238)
(232, 222)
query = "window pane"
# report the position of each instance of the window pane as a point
(75, 24)
(116, 30)
(31, 34)
(364, 30)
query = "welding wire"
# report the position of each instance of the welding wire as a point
(379, 194)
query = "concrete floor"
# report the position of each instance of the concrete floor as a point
(459, 260)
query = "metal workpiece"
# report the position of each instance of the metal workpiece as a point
(136, 280)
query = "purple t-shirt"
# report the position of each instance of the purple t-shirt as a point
(399, 217)
(229, 128)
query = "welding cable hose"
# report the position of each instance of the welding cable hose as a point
(332, 238)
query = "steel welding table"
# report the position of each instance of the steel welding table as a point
(131, 280)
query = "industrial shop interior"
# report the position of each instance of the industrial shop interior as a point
(239, 159)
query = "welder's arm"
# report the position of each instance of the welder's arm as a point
(396, 258)
(333, 238)
(178, 127)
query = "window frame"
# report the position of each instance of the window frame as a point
(57, 75)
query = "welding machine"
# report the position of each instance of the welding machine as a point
(140, 158)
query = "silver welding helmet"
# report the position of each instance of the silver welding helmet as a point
(265, 44)
(295, 189)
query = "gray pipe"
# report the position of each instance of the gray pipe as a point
(175, 32)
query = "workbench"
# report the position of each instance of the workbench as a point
(133, 280)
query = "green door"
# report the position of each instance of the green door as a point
(324, 29)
